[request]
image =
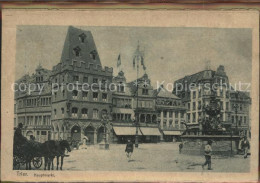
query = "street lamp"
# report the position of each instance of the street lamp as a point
(104, 144)
(235, 106)
(136, 123)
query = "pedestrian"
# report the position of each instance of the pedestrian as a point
(180, 147)
(208, 152)
(129, 149)
(245, 146)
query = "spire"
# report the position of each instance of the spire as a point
(138, 57)
(79, 45)
(207, 65)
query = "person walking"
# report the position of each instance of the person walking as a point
(180, 147)
(129, 149)
(245, 145)
(208, 153)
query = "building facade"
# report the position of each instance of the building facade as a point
(80, 99)
(81, 95)
(196, 90)
(33, 104)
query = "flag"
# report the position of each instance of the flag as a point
(134, 62)
(118, 60)
(142, 62)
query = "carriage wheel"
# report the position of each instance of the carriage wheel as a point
(37, 162)
(16, 163)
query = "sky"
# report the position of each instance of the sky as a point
(170, 52)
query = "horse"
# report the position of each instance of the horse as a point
(59, 151)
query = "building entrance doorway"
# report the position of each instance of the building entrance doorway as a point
(89, 132)
(76, 134)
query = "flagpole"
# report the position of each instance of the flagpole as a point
(136, 118)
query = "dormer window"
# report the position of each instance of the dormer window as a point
(77, 51)
(93, 54)
(82, 37)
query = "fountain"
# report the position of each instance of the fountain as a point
(210, 128)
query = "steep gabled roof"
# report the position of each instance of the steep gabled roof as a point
(160, 92)
(82, 41)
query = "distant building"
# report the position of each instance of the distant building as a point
(171, 114)
(33, 109)
(195, 91)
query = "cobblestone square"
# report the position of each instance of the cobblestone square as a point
(163, 157)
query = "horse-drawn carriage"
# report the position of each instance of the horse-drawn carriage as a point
(20, 157)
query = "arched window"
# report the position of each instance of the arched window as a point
(74, 112)
(74, 94)
(95, 114)
(84, 112)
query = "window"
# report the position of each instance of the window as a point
(164, 114)
(104, 81)
(36, 120)
(74, 112)
(170, 114)
(194, 105)
(75, 78)
(170, 122)
(55, 114)
(241, 107)
(84, 95)
(221, 92)
(199, 105)
(221, 105)
(199, 92)
(244, 119)
(193, 117)
(44, 120)
(62, 112)
(85, 79)
(95, 80)
(74, 94)
(227, 94)
(93, 54)
(63, 93)
(227, 106)
(120, 87)
(84, 112)
(82, 37)
(189, 106)
(95, 96)
(76, 51)
(145, 91)
(182, 114)
(194, 94)
(188, 115)
(95, 114)
(241, 120)
(232, 119)
(104, 97)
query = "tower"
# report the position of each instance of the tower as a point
(80, 93)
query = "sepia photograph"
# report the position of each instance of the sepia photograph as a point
(117, 98)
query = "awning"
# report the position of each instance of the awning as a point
(172, 132)
(126, 130)
(150, 131)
